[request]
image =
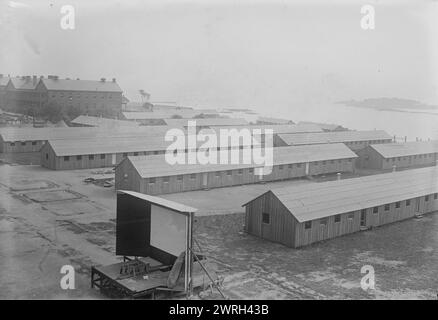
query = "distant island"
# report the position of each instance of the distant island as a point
(393, 104)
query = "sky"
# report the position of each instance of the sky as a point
(230, 53)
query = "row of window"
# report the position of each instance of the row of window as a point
(90, 157)
(103, 156)
(70, 95)
(365, 142)
(23, 143)
(350, 215)
(424, 156)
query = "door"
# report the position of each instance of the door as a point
(307, 169)
(113, 159)
(417, 205)
(363, 218)
(205, 180)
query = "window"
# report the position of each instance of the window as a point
(125, 155)
(193, 176)
(12, 144)
(91, 157)
(218, 174)
(316, 163)
(155, 152)
(180, 177)
(166, 179)
(386, 207)
(266, 217)
(66, 158)
(251, 170)
(375, 209)
(240, 172)
(102, 156)
(280, 167)
(135, 153)
(152, 180)
(34, 143)
(229, 172)
(23, 143)
(397, 204)
(350, 216)
(308, 225)
(332, 161)
(337, 218)
(298, 165)
(435, 196)
(408, 203)
(78, 157)
(290, 166)
(323, 222)
(47, 156)
(426, 198)
(323, 163)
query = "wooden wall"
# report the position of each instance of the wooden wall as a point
(217, 179)
(281, 227)
(369, 158)
(21, 146)
(282, 220)
(319, 232)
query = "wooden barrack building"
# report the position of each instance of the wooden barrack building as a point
(300, 215)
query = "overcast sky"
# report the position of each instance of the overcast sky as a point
(223, 54)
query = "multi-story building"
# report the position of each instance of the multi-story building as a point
(86, 96)
(89, 96)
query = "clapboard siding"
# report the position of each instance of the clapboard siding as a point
(218, 179)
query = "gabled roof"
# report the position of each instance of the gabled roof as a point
(390, 150)
(156, 166)
(20, 83)
(207, 122)
(333, 137)
(81, 85)
(175, 206)
(4, 81)
(102, 122)
(324, 199)
(278, 128)
(35, 134)
(274, 120)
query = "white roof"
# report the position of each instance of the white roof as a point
(207, 122)
(334, 137)
(278, 128)
(390, 150)
(53, 133)
(102, 122)
(156, 166)
(160, 201)
(324, 199)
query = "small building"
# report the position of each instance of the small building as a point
(207, 123)
(327, 127)
(300, 215)
(270, 121)
(401, 155)
(91, 121)
(355, 140)
(154, 175)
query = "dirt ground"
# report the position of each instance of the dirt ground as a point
(52, 218)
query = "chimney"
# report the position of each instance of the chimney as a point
(102, 79)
